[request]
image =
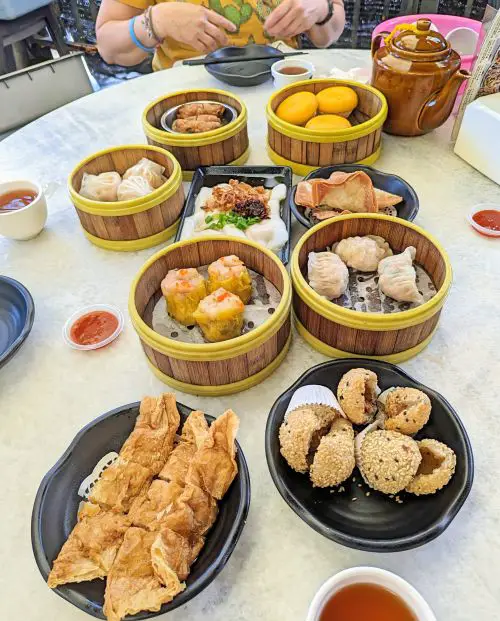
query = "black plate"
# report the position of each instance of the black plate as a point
(375, 523)
(407, 209)
(56, 505)
(17, 312)
(267, 176)
(248, 72)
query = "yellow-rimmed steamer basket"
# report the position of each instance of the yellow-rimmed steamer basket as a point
(133, 224)
(212, 369)
(305, 150)
(227, 145)
(340, 332)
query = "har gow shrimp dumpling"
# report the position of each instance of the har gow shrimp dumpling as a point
(148, 170)
(363, 253)
(133, 187)
(103, 187)
(327, 274)
(398, 279)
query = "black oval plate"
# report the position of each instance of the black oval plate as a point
(375, 523)
(56, 506)
(407, 209)
(247, 73)
(17, 313)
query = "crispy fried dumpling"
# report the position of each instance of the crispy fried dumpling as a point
(133, 187)
(363, 253)
(398, 279)
(349, 191)
(327, 274)
(103, 187)
(183, 290)
(220, 316)
(148, 170)
(231, 274)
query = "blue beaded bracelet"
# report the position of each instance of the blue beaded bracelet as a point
(135, 40)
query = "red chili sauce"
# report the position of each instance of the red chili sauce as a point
(93, 328)
(489, 218)
(12, 201)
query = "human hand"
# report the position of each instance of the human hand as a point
(293, 17)
(192, 25)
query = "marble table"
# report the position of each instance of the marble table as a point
(48, 391)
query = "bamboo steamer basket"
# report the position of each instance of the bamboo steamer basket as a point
(212, 369)
(227, 145)
(134, 224)
(305, 150)
(341, 332)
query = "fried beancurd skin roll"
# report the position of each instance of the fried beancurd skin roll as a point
(231, 274)
(196, 108)
(220, 316)
(183, 290)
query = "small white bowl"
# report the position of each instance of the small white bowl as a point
(463, 40)
(371, 575)
(283, 79)
(482, 229)
(89, 309)
(28, 222)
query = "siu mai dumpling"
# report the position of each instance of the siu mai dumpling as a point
(220, 316)
(398, 279)
(183, 290)
(133, 187)
(327, 274)
(148, 170)
(231, 274)
(103, 187)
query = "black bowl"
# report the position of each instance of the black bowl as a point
(248, 72)
(407, 209)
(17, 313)
(375, 523)
(56, 505)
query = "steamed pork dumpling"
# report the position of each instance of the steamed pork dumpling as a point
(363, 253)
(183, 289)
(133, 187)
(398, 279)
(103, 187)
(148, 170)
(327, 274)
(220, 316)
(231, 274)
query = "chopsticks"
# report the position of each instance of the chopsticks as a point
(219, 61)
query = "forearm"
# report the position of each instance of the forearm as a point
(323, 36)
(116, 46)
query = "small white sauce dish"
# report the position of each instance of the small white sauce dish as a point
(283, 79)
(371, 575)
(27, 222)
(463, 40)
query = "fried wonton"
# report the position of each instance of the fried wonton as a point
(119, 485)
(152, 439)
(194, 433)
(213, 468)
(350, 191)
(132, 585)
(91, 547)
(386, 199)
(173, 553)
(148, 508)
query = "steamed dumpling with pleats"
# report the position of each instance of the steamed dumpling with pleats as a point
(103, 187)
(398, 279)
(133, 187)
(149, 170)
(327, 274)
(363, 253)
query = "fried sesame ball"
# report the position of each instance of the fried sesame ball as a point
(435, 470)
(357, 394)
(334, 460)
(299, 435)
(405, 410)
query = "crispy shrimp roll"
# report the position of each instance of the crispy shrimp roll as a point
(183, 290)
(334, 462)
(214, 467)
(152, 439)
(435, 470)
(148, 509)
(119, 485)
(357, 394)
(172, 555)
(231, 274)
(132, 585)
(405, 410)
(91, 547)
(220, 316)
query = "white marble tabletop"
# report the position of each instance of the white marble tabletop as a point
(48, 391)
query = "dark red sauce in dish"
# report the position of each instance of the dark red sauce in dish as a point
(93, 328)
(489, 218)
(17, 199)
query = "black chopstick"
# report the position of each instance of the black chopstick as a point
(219, 61)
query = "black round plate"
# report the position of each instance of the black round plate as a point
(407, 209)
(56, 506)
(248, 72)
(17, 313)
(375, 523)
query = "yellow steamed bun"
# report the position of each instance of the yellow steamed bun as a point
(328, 121)
(337, 100)
(298, 108)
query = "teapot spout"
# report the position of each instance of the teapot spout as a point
(438, 107)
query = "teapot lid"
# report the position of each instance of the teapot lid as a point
(419, 41)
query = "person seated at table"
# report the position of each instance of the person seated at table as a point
(128, 30)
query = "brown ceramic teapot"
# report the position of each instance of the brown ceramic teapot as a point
(419, 74)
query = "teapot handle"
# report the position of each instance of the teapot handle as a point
(377, 40)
